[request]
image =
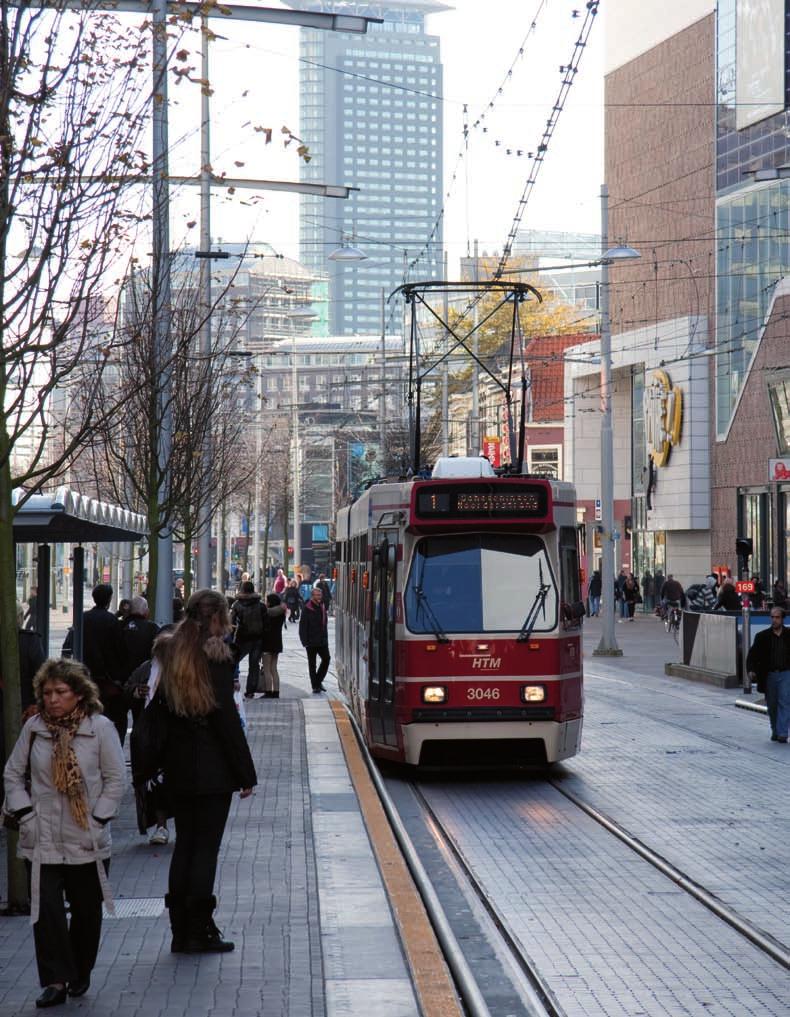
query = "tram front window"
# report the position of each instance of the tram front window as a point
(479, 583)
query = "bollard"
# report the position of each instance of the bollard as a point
(746, 641)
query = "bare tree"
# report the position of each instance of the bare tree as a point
(72, 107)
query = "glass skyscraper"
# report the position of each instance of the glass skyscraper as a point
(371, 115)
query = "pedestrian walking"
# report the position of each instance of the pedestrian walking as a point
(768, 663)
(594, 594)
(206, 759)
(293, 600)
(248, 616)
(105, 656)
(314, 637)
(779, 594)
(77, 775)
(272, 645)
(631, 595)
(279, 584)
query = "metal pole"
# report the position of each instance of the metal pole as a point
(746, 642)
(204, 571)
(475, 429)
(78, 576)
(608, 645)
(383, 406)
(297, 525)
(445, 376)
(161, 303)
(256, 537)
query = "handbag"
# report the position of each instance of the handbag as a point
(149, 740)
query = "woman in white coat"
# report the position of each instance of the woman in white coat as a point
(77, 778)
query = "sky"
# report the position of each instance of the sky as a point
(254, 77)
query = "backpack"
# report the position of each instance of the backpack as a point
(251, 620)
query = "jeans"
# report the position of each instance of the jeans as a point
(777, 699)
(254, 649)
(623, 608)
(200, 822)
(317, 676)
(595, 606)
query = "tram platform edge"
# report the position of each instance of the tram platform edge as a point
(299, 889)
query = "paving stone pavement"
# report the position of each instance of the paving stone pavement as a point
(696, 779)
(298, 886)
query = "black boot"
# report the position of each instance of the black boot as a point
(203, 936)
(178, 921)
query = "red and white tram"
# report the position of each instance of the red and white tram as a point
(458, 631)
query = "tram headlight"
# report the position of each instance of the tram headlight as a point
(533, 693)
(434, 694)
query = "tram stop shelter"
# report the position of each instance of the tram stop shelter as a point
(71, 518)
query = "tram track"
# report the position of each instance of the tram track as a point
(529, 969)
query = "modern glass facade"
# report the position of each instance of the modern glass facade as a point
(752, 229)
(371, 117)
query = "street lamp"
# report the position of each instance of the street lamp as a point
(347, 253)
(607, 647)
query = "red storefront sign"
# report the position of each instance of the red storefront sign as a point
(492, 449)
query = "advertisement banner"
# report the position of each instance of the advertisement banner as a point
(492, 449)
(779, 469)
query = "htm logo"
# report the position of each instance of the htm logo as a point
(486, 663)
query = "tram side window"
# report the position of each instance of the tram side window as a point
(569, 566)
(363, 568)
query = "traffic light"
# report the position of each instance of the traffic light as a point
(628, 525)
(744, 547)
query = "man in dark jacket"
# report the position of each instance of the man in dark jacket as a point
(104, 655)
(314, 637)
(248, 615)
(768, 663)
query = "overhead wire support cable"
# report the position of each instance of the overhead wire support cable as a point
(569, 73)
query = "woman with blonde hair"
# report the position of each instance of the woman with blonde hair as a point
(77, 778)
(206, 759)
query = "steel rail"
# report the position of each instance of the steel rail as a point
(543, 999)
(468, 988)
(762, 940)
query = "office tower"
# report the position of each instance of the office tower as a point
(371, 116)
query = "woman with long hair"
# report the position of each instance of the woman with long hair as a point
(77, 778)
(206, 759)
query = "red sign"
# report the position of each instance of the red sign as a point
(779, 469)
(492, 449)
(745, 586)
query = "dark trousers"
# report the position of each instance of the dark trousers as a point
(66, 950)
(317, 676)
(200, 822)
(253, 649)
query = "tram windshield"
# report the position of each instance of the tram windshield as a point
(479, 583)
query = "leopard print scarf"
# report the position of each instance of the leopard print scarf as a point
(66, 771)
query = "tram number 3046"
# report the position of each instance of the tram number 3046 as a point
(480, 693)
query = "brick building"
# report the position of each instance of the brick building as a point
(697, 166)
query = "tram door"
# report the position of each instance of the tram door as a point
(382, 640)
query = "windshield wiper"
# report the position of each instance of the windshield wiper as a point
(425, 604)
(537, 604)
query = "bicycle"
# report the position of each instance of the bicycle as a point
(672, 616)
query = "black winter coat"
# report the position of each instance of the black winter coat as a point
(138, 635)
(104, 651)
(313, 625)
(759, 659)
(273, 633)
(209, 755)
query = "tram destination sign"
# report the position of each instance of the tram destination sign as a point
(482, 501)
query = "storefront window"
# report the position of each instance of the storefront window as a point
(754, 521)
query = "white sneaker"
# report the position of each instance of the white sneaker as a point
(159, 836)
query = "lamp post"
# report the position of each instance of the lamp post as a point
(607, 647)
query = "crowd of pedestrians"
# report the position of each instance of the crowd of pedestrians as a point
(65, 777)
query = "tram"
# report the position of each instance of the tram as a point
(458, 617)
